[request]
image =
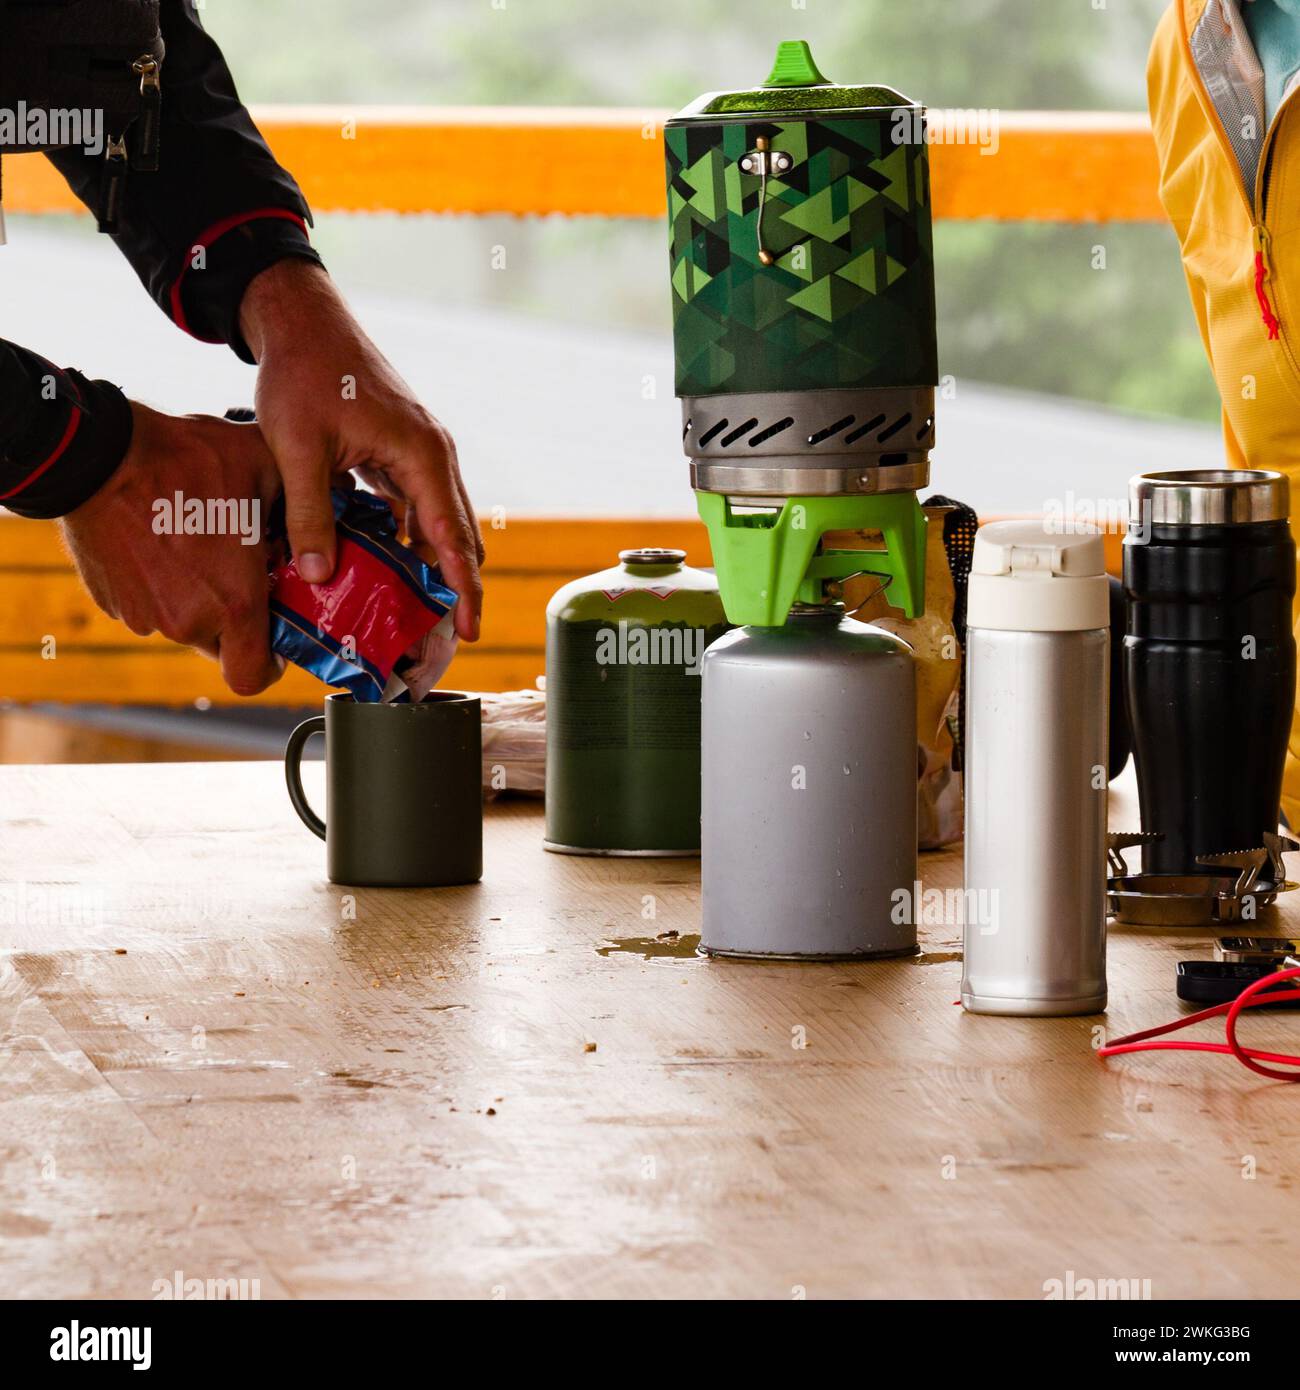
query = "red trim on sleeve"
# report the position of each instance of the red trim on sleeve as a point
(205, 239)
(74, 419)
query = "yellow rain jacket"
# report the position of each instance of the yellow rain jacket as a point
(1231, 186)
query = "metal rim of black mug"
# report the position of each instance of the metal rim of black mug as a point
(1209, 497)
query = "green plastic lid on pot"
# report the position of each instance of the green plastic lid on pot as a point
(795, 84)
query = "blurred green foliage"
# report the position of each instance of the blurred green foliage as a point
(1021, 305)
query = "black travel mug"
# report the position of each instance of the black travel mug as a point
(1209, 658)
(403, 790)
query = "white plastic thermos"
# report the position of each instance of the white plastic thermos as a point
(1037, 684)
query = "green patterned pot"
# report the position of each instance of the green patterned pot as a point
(802, 253)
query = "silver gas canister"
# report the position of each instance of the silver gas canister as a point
(1037, 658)
(809, 790)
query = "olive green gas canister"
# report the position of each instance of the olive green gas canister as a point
(624, 654)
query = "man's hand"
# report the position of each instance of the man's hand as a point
(328, 403)
(205, 590)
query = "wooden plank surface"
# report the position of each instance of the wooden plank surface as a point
(209, 1065)
(1059, 166)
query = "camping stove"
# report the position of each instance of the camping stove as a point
(804, 333)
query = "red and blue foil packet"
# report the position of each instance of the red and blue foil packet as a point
(382, 626)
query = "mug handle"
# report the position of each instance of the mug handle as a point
(293, 772)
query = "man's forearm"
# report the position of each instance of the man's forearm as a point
(284, 301)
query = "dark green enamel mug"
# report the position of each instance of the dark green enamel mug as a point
(403, 790)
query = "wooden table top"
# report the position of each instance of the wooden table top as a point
(209, 1065)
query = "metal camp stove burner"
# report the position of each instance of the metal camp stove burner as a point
(829, 442)
(1237, 886)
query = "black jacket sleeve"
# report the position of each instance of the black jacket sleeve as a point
(218, 210)
(61, 435)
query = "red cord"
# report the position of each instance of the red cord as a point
(1249, 998)
(1265, 308)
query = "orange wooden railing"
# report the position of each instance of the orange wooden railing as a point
(1050, 166)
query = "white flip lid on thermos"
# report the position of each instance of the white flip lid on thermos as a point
(1037, 686)
(1025, 577)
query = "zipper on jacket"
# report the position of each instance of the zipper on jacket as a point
(112, 182)
(1259, 231)
(144, 153)
(1263, 270)
(1260, 239)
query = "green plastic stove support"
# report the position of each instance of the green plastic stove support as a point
(766, 560)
